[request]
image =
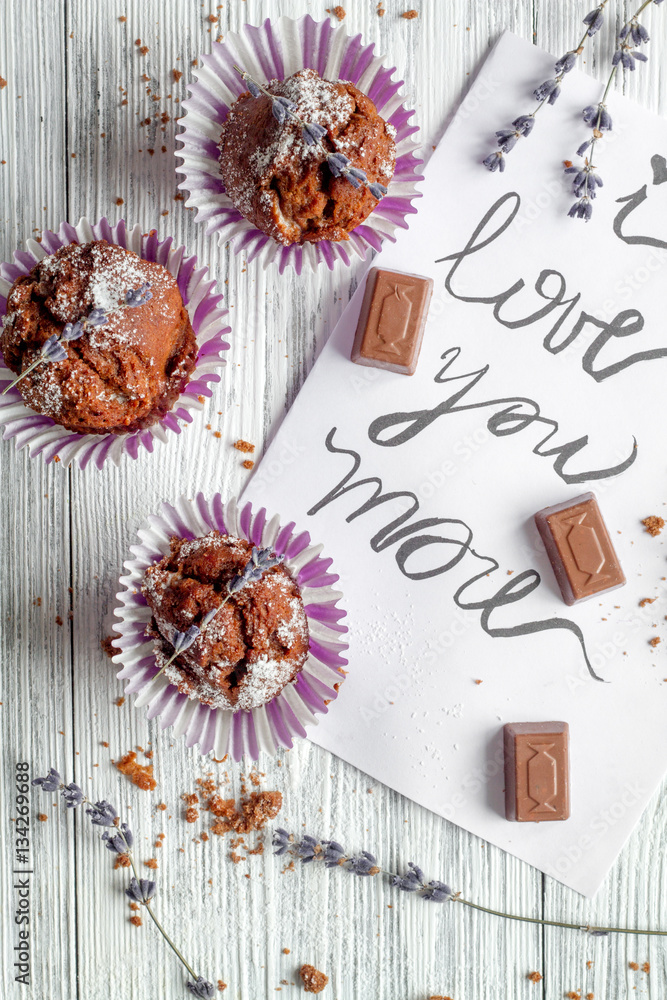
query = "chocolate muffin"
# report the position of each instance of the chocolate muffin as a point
(121, 374)
(282, 183)
(256, 643)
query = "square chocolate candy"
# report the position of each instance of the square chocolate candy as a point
(537, 771)
(579, 548)
(392, 320)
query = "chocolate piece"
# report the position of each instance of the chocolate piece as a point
(392, 320)
(537, 771)
(579, 548)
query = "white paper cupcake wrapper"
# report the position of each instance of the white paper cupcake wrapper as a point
(286, 716)
(42, 435)
(276, 50)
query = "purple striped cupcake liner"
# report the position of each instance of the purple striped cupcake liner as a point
(285, 717)
(276, 50)
(42, 435)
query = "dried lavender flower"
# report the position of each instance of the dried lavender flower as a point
(364, 864)
(121, 841)
(140, 890)
(411, 881)
(566, 62)
(313, 133)
(548, 91)
(307, 849)
(594, 20)
(494, 161)
(102, 814)
(138, 296)
(72, 795)
(52, 350)
(51, 783)
(96, 317)
(201, 988)
(72, 331)
(332, 853)
(281, 841)
(437, 892)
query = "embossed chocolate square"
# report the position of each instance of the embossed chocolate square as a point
(537, 771)
(579, 548)
(392, 320)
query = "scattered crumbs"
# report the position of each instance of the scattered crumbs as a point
(122, 18)
(212, 19)
(646, 600)
(179, 197)
(534, 977)
(140, 775)
(122, 861)
(37, 602)
(646, 967)
(108, 646)
(221, 986)
(590, 996)
(590, 963)
(248, 464)
(340, 13)
(119, 702)
(42, 817)
(410, 15)
(573, 995)
(104, 743)
(177, 74)
(120, 201)
(151, 863)
(286, 951)
(191, 814)
(654, 641)
(135, 907)
(478, 680)
(313, 980)
(59, 620)
(195, 62)
(380, 10)
(653, 524)
(244, 446)
(217, 434)
(290, 867)
(634, 966)
(143, 49)
(3, 83)
(135, 920)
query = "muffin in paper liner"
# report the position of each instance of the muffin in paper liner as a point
(285, 716)
(276, 50)
(41, 434)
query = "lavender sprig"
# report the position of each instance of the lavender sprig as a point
(52, 349)
(120, 840)
(312, 133)
(586, 180)
(260, 561)
(547, 93)
(413, 880)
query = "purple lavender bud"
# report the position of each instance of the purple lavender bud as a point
(332, 853)
(377, 190)
(138, 296)
(337, 163)
(437, 892)
(411, 881)
(52, 349)
(312, 133)
(596, 933)
(524, 124)
(96, 317)
(545, 90)
(208, 617)
(72, 331)
(590, 115)
(120, 841)
(307, 849)
(280, 841)
(507, 139)
(640, 35)
(51, 783)
(183, 640)
(566, 63)
(605, 123)
(624, 32)
(594, 20)
(584, 146)
(252, 86)
(281, 108)
(554, 95)
(581, 210)
(494, 161)
(357, 174)
(627, 59)
(201, 989)
(140, 891)
(102, 814)
(363, 864)
(639, 55)
(72, 795)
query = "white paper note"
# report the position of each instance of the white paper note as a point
(572, 341)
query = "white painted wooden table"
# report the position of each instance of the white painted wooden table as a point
(71, 144)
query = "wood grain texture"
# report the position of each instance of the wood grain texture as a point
(73, 142)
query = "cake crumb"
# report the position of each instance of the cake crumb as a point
(135, 920)
(245, 446)
(248, 464)
(646, 600)
(534, 977)
(151, 863)
(313, 980)
(191, 814)
(338, 11)
(380, 10)
(161, 806)
(410, 15)
(646, 967)
(42, 817)
(653, 524)
(122, 861)
(120, 701)
(286, 951)
(177, 74)
(108, 646)
(3, 83)
(140, 775)
(221, 986)
(634, 966)
(654, 641)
